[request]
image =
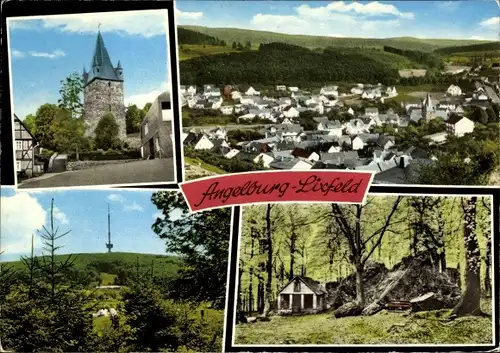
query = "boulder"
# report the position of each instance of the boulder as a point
(348, 309)
(413, 276)
(431, 301)
(344, 291)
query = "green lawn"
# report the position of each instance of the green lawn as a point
(382, 328)
(107, 279)
(202, 164)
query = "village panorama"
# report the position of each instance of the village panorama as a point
(414, 120)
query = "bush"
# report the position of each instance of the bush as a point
(106, 132)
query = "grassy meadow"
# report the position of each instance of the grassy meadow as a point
(382, 328)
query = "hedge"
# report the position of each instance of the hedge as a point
(108, 155)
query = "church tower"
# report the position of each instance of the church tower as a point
(103, 91)
(428, 108)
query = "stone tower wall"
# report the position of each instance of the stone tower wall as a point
(101, 97)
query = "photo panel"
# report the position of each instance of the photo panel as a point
(406, 92)
(111, 270)
(405, 271)
(93, 94)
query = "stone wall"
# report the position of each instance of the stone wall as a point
(79, 165)
(101, 97)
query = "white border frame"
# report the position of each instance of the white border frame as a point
(326, 346)
(165, 12)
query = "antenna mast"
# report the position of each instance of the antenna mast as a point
(109, 245)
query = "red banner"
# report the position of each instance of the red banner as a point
(339, 186)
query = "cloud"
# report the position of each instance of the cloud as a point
(17, 54)
(141, 99)
(477, 38)
(447, 5)
(54, 54)
(181, 15)
(17, 225)
(116, 198)
(336, 35)
(148, 23)
(373, 8)
(158, 215)
(133, 206)
(491, 22)
(57, 53)
(60, 216)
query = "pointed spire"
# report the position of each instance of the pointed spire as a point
(119, 65)
(101, 63)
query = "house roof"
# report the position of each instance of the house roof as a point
(332, 124)
(23, 125)
(383, 139)
(320, 119)
(300, 152)
(283, 164)
(246, 156)
(193, 138)
(100, 66)
(285, 146)
(398, 175)
(454, 119)
(295, 128)
(366, 138)
(310, 283)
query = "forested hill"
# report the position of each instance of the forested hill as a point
(113, 263)
(230, 35)
(275, 62)
(491, 46)
(187, 36)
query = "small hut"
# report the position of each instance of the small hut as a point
(301, 295)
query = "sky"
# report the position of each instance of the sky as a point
(84, 213)
(472, 19)
(46, 50)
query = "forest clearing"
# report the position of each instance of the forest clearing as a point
(397, 270)
(382, 328)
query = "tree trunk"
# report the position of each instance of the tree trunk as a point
(260, 296)
(240, 274)
(469, 303)
(250, 281)
(292, 255)
(360, 289)
(442, 260)
(487, 274)
(269, 263)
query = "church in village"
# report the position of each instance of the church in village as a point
(103, 90)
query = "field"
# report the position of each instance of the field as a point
(414, 94)
(198, 162)
(189, 51)
(382, 328)
(242, 35)
(397, 61)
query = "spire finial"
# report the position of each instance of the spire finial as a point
(99, 27)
